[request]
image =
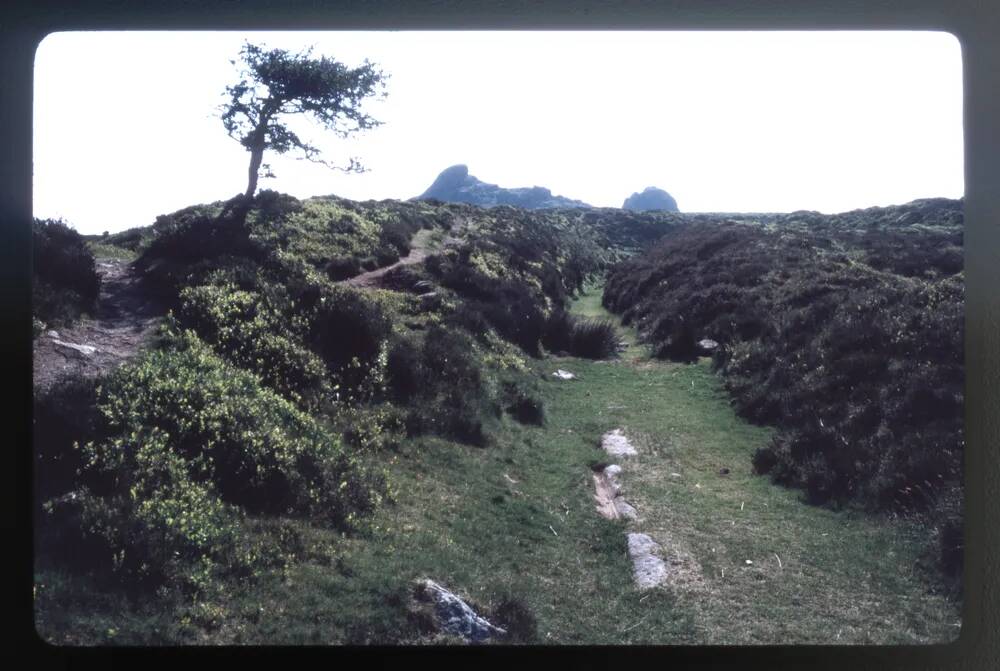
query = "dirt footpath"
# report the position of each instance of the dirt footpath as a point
(124, 318)
(419, 250)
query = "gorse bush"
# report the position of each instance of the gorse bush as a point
(64, 282)
(246, 330)
(346, 326)
(343, 267)
(61, 416)
(845, 331)
(152, 523)
(190, 445)
(440, 377)
(257, 449)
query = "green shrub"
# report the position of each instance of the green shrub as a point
(61, 416)
(65, 283)
(343, 267)
(346, 326)
(154, 523)
(256, 449)
(242, 327)
(448, 395)
(595, 339)
(524, 405)
(132, 239)
(406, 370)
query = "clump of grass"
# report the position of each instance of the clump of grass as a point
(594, 339)
(588, 338)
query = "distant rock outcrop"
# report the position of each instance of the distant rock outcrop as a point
(651, 198)
(456, 185)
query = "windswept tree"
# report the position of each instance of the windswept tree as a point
(275, 84)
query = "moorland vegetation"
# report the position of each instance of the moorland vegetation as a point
(844, 331)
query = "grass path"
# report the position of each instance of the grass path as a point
(517, 520)
(771, 569)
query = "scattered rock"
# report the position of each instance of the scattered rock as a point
(648, 568)
(564, 374)
(615, 443)
(723, 471)
(454, 616)
(88, 350)
(707, 345)
(607, 494)
(53, 334)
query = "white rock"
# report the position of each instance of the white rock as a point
(82, 349)
(615, 443)
(648, 569)
(564, 374)
(707, 343)
(455, 616)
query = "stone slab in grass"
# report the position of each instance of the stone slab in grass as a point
(454, 616)
(648, 568)
(617, 444)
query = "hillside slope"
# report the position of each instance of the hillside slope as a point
(350, 397)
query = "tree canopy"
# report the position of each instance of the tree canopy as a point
(276, 83)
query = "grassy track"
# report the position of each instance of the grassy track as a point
(517, 520)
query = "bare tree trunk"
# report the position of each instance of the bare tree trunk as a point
(256, 157)
(257, 152)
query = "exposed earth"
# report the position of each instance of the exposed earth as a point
(124, 319)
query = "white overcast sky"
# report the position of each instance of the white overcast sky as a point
(126, 124)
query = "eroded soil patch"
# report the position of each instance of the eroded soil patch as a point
(124, 319)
